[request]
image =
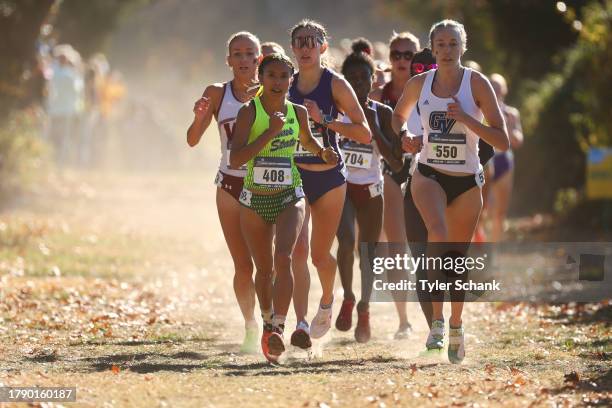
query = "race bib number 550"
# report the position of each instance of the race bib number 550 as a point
(446, 148)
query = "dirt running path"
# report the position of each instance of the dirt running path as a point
(122, 286)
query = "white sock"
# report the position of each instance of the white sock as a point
(267, 315)
(279, 321)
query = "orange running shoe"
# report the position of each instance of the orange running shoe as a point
(265, 343)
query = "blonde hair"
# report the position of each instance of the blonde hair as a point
(499, 79)
(404, 35)
(247, 35)
(449, 24)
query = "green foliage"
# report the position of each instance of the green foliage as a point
(22, 152)
(566, 114)
(86, 25)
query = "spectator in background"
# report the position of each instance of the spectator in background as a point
(96, 71)
(64, 102)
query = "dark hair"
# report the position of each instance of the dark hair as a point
(307, 23)
(275, 57)
(362, 45)
(358, 58)
(424, 57)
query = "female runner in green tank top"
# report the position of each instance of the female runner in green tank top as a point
(266, 135)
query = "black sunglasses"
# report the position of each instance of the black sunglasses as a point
(309, 41)
(397, 55)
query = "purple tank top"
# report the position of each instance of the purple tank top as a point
(322, 95)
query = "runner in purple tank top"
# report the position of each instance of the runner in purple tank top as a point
(324, 93)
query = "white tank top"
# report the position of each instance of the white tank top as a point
(226, 119)
(449, 145)
(362, 160)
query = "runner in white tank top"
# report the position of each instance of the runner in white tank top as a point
(223, 100)
(447, 144)
(226, 119)
(445, 187)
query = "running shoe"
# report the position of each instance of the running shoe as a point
(265, 343)
(301, 336)
(276, 343)
(403, 332)
(456, 345)
(435, 340)
(321, 323)
(249, 344)
(362, 331)
(344, 321)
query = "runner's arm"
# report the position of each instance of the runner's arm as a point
(494, 132)
(201, 121)
(306, 138)
(385, 137)
(406, 103)
(241, 151)
(346, 100)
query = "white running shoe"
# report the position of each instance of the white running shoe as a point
(435, 340)
(321, 322)
(456, 345)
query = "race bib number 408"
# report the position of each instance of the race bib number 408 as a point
(446, 148)
(272, 171)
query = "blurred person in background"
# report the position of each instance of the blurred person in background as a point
(503, 162)
(64, 102)
(485, 154)
(95, 72)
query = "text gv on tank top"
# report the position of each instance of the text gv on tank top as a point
(273, 168)
(449, 145)
(226, 119)
(322, 95)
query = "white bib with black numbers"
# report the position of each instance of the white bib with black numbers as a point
(446, 148)
(357, 155)
(272, 171)
(362, 160)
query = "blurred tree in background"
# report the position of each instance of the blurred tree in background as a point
(555, 55)
(20, 23)
(557, 58)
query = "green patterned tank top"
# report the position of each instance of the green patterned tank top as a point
(273, 168)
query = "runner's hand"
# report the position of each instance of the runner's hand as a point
(201, 107)
(329, 156)
(277, 121)
(412, 144)
(455, 111)
(313, 110)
